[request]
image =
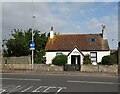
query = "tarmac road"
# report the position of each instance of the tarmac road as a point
(57, 83)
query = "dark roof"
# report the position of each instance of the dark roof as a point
(66, 42)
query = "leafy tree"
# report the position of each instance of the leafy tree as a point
(86, 59)
(59, 60)
(109, 60)
(39, 57)
(18, 44)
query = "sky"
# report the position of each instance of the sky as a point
(65, 17)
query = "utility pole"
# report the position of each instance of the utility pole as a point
(32, 53)
(32, 45)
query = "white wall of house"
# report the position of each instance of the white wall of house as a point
(100, 54)
(85, 53)
(51, 55)
(75, 52)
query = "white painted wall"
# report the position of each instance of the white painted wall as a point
(75, 52)
(100, 54)
(50, 55)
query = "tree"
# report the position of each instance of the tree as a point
(86, 59)
(109, 60)
(39, 57)
(18, 44)
(59, 60)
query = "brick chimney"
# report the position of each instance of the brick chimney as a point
(51, 33)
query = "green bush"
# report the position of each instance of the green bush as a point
(59, 60)
(109, 60)
(86, 59)
(39, 59)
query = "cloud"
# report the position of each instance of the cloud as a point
(19, 15)
(93, 21)
(109, 1)
(64, 17)
(111, 22)
(112, 28)
(46, 19)
(60, 0)
(93, 25)
(78, 28)
(82, 12)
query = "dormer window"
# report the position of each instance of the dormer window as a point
(93, 40)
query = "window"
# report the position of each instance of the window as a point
(93, 59)
(59, 53)
(94, 56)
(93, 39)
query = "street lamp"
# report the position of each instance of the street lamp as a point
(33, 51)
(32, 47)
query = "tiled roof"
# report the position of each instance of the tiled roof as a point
(66, 42)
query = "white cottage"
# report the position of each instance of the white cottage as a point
(76, 46)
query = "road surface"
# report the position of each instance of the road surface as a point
(57, 83)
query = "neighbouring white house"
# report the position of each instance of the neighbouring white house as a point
(76, 46)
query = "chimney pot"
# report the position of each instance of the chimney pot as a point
(51, 33)
(51, 28)
(104, 35)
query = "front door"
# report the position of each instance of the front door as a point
(75, 60)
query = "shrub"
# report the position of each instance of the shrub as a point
(39, 59)
(59, 60)
(109, 60)
(86, 59)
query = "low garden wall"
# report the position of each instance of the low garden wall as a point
(17, 60)
(100, 68)
(24, 63)
(37, 67)
(48, 67)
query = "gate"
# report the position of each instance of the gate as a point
(73, 67)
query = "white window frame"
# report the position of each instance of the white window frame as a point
(93, 56)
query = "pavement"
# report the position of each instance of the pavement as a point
(70, 73)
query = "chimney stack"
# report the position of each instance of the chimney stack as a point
(51, 33)
(104, 33)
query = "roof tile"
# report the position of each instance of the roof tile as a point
(66, 42)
